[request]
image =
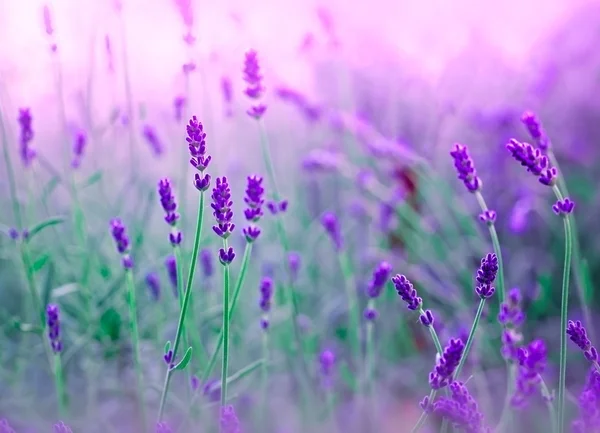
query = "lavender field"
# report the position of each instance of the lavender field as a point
(309, 217)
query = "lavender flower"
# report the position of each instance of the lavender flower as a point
(327, 361)
(253, 79)
(320, 160)
(381, 274)
(178, 105)
(465, 167)
(589, 405)
(27, 154)
(61, 427)
(536, 131)
(532, 363)
(48, 26)
(163, 427)
(534, 161)
(169, 205)
(486, 274)
(461, 409)
(578, 335)
(407, 292)
(277, 207)
(266, 294)
(53, 324)
(171, 265)
(229, 420)
(563, 207)
(221, 206)
(511, 316)
(294, 263)
(226, 257)
(119, 234)
(446, 364)
(254, 200)
(488, 217)
(206, 261)
(332, 226)
(151, 137)
(5, 426)
(199, 159)
(153, 283)
(13, 233)
(79, 144)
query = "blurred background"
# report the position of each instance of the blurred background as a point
(385, 87)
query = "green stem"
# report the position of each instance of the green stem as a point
(186, 301)
(135, 338)
(265, 379)
(236, 294)
(496, 246)
(470, 338)
(548, 398)
(225, 357)
(351, 297)
(59, 383)
(180, 296)
(11, 176)
(564, 309)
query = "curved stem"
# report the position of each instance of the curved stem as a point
(186, 301)
(135, 338)
(564, 309)
(236, 294)
(353, 313)
(470, 338)
(265, 379)
(225, 357)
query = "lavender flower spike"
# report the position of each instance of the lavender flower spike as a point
(465, 167)
(532, 363)
(578, 335)
(266, 294)
(221, 206)
(589, 412)
(446, 364)
(332, 226)
(229, 420)
(407, 292)
(534, 161)
(461, 409)
(121, 239)
(254, 200)
(254, 89)
(169, 205)
(61, 427)
(27, 154)
(196, 140)
(486, 274)
(536, 131)
(53, 323)
(79, 144)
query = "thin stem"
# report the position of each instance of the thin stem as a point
(504, 415)
(434, 336)
(186, 301)
(564, 309)
(470, 338)
(180, 296)
(59, 384)
(351, 297)
(135, 338)
(225, 357)
(265, 378)
(548, 399)
(496, 246)
(369, 350)
(236, 294)
(11, 176)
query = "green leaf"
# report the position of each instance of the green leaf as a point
(43, 225)
(49, 188)
(40, 262)
(588, 292)
(347, 376)
(242, 373)
(167, 346)
(187, 357)
(93, 179)
(110, 324)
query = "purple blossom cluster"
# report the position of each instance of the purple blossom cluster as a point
(486, 275)
(446, 365)
(26, 136)
(53, 324)
(465, 167)
(254, 199)
(266, 295)
(532, 363)
(461, 410)
(578, 335)
(589, 405)
(196, 139)
(121, 239)
(536, 131)
(534, 160)
(229, 421)
(511, 317)
(169, 205)
(254, 84)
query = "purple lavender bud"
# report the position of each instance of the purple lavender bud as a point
(327, 362)
(229, 421)
(534, 127)
(61, 427)
(153, 283)
(370, 314)
(163, 427)
(25, 120)
(206, 261)
(252, 76)
(79, 144)
(533, 160)
(167, 201)
(13, 233)
(196, 139)
(578, 335)
(226, 257)
(151, 137)
(256, 111)
(5, 426)
(277, 207)
(178, 105)
(168, 357)
(486, 274)
(121, 239)
(254, 200)
(426, 318)
(446, 364)
(332, 226)
(461, 409)
(251, 233)
(266, 294)
(194, 383)
(381, 274)
(532, 363)
(465, 167)
(283, 206)
(563, 207)
(53, 324)
(407, 292)
(264, 323)
(488, 217)
(221, 205)
(171, 265)
(294, 263)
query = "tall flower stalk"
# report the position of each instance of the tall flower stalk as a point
(121, 239)
(199, 160)
(539, 165)
(221, 205)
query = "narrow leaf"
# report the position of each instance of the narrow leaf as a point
(167, 346)
(241, 373)
(93, 179)
(181, 365)
(588, 292)
(64, 290)
(44, 224)
(49, 188)
(40, 262)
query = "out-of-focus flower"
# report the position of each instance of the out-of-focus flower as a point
(266, 294)
(254, 85)
(53, 323)
(465, 167)
(536, 131)
(589, 405)
(446, 364)
(153, 283)
(171, 266)
(227, 92)
(229, 420)
(26, 152)
(461, 410)
(79, 144)
(532, 363)
(61, 427)
(121, 239)
(169, 205)
(179, 105)
(206, 261)
(151, 137)
(331, 225)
